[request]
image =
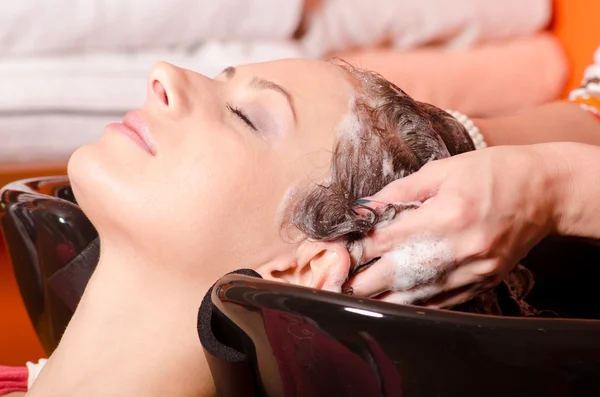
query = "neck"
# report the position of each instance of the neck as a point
(133, 334)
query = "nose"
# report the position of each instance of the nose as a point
(167, 88)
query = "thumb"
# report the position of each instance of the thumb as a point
(418, 186)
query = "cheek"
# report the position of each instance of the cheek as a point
(232, 194)
(105, 175)
(95, 182)
(215, 198)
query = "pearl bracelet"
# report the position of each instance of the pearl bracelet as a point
(471, 128)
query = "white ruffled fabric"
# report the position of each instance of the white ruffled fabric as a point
(589, 88)
(34, 371)
(593, 71)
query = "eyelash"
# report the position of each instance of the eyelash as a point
(242, 116)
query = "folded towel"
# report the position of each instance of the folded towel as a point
(13, 379)
(20, 379)
(486, 80)
(31, 28)
(340, 25)
(115, 81)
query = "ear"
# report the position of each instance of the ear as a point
(322, 265)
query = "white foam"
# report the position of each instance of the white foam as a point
(387, 167)
(418, 294)
(349, 127)
(418, 261)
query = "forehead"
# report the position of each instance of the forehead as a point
(322, 94)
(314, 85)
(310, 71)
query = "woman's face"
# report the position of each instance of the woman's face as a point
(227, 153)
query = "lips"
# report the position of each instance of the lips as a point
(135, 128)
(134, 120)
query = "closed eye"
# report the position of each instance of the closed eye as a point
(242, 116)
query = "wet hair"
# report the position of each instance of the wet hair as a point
(388, 136)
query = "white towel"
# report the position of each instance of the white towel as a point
(33, 27)
(340, 25)
(115, 81)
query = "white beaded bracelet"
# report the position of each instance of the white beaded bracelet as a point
(474, 133)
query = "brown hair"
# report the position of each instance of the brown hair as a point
(395, 137)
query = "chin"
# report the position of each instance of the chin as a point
(110, 192)
(83, 178)
(92, 178)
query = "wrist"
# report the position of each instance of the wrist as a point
(555, 172)
(506, 130)
(571, 171)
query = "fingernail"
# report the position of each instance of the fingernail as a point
(364, 266)
(362, 202)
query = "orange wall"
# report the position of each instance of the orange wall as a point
(576, 24)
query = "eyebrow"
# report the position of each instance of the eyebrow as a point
(262, 84)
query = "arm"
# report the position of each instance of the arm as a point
(554, 122)
(483, 210)
(487, 208)
(573, 167)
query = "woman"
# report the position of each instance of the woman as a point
(258, 168)
(492, 207)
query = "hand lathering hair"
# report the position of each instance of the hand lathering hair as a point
(389, 136)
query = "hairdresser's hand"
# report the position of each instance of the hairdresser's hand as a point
(481, 213)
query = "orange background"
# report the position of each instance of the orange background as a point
(575, 23)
